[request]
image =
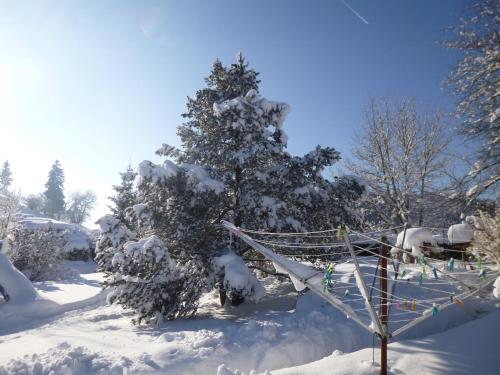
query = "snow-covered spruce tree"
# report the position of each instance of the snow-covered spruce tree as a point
(240, 135)
(179, 204)
(148, 281)
(54, 195)
(5, 177)
(113, 235)
(125, 193)
(36, 253)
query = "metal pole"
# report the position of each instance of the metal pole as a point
(384, 251)
(362, 285)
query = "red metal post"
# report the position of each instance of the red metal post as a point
(384, 253)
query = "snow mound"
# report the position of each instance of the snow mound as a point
(66, 359)
(460, 233)
(16, 285)
(414, 241)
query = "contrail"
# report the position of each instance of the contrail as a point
(356, 13)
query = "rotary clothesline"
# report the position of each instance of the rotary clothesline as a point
(324, 284)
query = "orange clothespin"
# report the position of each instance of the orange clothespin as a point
(414, 306)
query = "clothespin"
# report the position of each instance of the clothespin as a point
(403, 273)
(414, 306)
(405, 305)
(346, 293)
(451, 299)
(421, 279)
(421, 259)
(339, 232)
(435, 309)
(397, 306)
(451, 264)
(479, 263)
(482, 274)
(434, 271)
(458, 301)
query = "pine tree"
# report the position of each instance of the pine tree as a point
(233, 166)
(5, 177)
(54, 195)
(125, 195)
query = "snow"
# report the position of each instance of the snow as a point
(204, 182)
(496, 288)
(449, 352)
(460, 233)
(16, 285)
(414, 240)
(148, 170)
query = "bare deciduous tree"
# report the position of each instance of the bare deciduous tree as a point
(476, 81)
(400, 155)
(80, 206)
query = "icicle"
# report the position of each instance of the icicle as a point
(421, 279)
(414, 306)
(435, 309)
(451, 264)
(405, 305)
(434, 271)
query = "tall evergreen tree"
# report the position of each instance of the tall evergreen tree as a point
(54, 193)
(125, 193)
(5, 177)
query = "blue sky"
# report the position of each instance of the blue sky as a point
(99, 84)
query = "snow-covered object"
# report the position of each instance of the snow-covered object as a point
(460, 233)
(414, 241)
(15, 284)
(196, 173)
(496, 288)
(237, 276)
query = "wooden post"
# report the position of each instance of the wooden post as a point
(384, 252)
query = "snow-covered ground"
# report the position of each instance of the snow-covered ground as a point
(69, 329)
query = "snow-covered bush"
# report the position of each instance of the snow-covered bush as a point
(237, 279)
(486, 242)
(36, 253)
(416, 240)
(147, 280)
(113, 234)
